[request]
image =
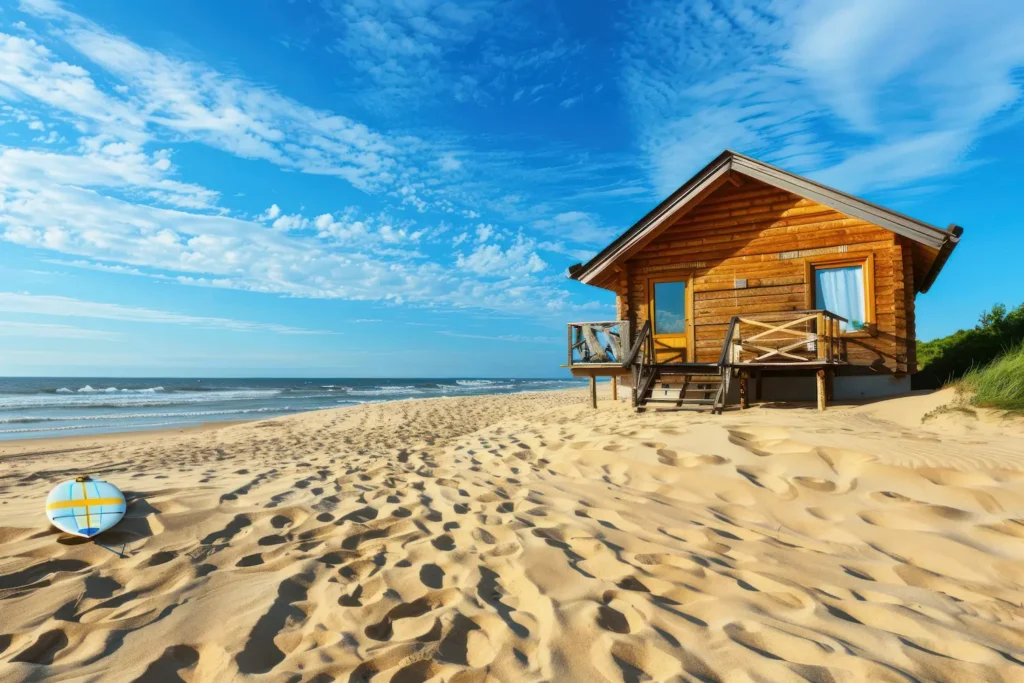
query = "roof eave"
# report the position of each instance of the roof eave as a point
(727, 161)
(714, 170)
(945, 251)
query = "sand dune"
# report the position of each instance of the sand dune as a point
(528, 538)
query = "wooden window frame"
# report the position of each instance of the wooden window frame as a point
(867, 264)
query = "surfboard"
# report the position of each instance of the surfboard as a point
(85, 507)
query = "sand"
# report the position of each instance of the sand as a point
(529, 538)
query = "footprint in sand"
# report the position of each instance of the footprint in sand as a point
(250, 560)
(169, 665)
(383, 630)
(816, 484)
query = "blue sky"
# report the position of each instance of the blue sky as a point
(396, 188)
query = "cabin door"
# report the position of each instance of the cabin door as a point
(671, 315)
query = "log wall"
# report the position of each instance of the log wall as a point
(767, 236)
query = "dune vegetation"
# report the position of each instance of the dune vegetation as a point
(966, 352)
(1000, 384)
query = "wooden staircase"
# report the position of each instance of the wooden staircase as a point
(675, 385)
(684, 385)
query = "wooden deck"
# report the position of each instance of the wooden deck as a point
(804, 340)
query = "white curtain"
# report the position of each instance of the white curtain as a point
(841, 291)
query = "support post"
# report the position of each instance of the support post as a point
(615, 388)
(821, 389)
(593, 391)
(744, 381)
(819, 328)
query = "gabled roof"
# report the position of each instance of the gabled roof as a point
(942, 241)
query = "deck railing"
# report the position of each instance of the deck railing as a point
(785, 338)
(598, 342)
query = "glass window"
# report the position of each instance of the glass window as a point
(841, 291)
(670, 307)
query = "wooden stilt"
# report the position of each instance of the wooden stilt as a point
(593, 391)
(744, 381)
(821, 389)
(615, 388)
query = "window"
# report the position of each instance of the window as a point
(844, 288)
(670, 307)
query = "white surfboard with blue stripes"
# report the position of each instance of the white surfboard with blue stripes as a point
(84, 506)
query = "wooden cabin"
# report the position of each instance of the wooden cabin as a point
(749, 280)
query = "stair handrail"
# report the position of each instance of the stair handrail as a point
(634, 350)
(725, 359)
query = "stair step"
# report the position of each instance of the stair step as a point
(689, 368)
(683, 401)
(701, 375)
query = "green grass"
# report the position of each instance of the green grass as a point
(1000, 384)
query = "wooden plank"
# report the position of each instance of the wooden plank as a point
(758, 247)
(822, 234)
(747, 292)
(716, 284)
(755, 223)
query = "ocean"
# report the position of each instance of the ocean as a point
(48, 406)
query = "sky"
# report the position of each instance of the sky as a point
(346, 188)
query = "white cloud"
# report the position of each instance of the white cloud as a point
(194, 101)
(449, 163)
(400, 46)
(516, 338)
(270, 214)
(484, 232)
(577, 226)
(518, 260)
(221, 251)
(112, 201)
(12, 328)
(580, 255)
(100, 163)
(870, 94)
(61, 306)
(32, 70)
(290, 222)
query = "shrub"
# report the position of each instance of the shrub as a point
(948, 358)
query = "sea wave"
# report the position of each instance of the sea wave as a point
(27, 430)
(87, 389)
(463, 388)
(385, 391)
(26, 419)
(118, 399)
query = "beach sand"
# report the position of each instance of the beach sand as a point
(529, 538)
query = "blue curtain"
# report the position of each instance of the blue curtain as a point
(841, 290)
